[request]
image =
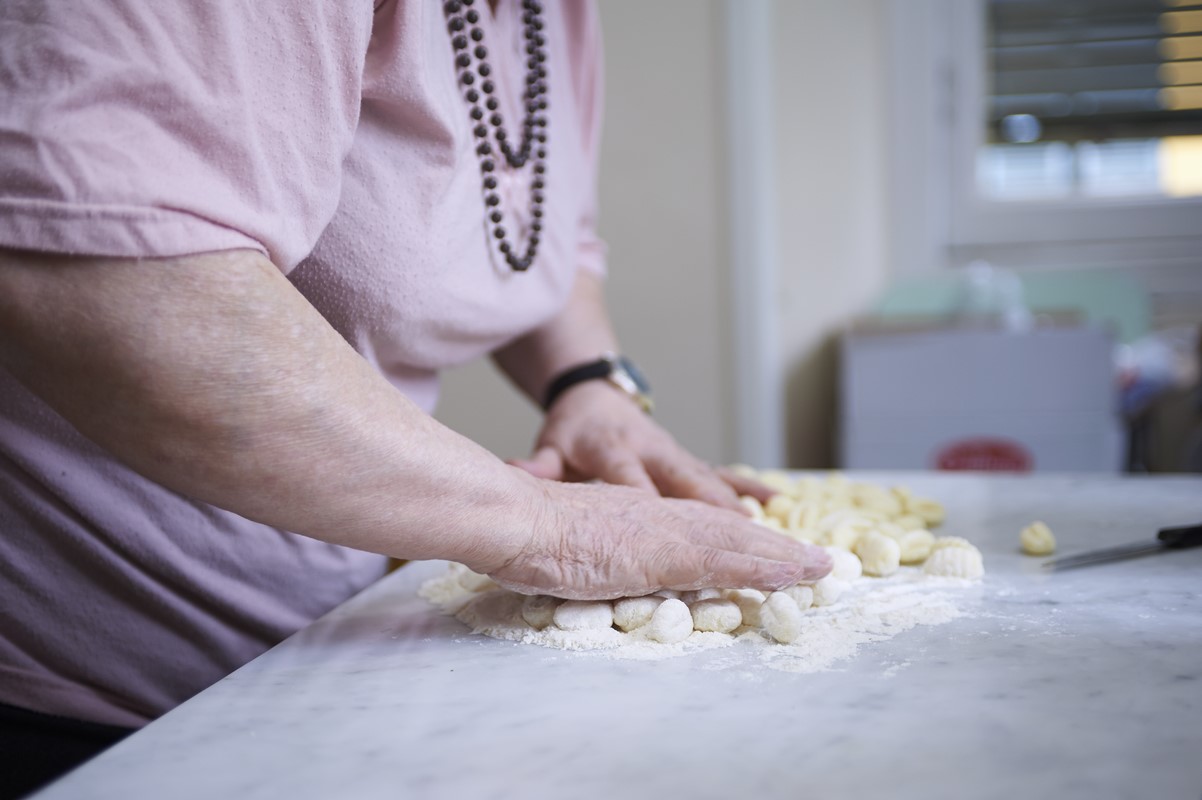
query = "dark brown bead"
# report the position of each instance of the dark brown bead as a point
(536, 226)
(534, 240)
(538, 197)
(472, 17)
(456, 24)
(487, 87)
(490, 182)
(477, 113)
(541, 152)
(496, 119)
(452, 7)
(480, 130)
(487, 165)
(472, 96)
(536, 212)
(459, 42)
(491, 104)
(481, 52)
(483, 149)
(538, 183)
(499, 232)
(467, 78)
(484, 70)
(540, 168)
(496, 216)
(477, 35)
(463, 60)
(492, 199)
(501, 134)
(505, 248)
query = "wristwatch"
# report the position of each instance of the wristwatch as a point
(618, 370)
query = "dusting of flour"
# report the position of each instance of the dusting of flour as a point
(871, 610)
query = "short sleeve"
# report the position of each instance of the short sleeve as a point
(132, 128)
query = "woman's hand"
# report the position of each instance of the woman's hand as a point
(594, 431)
(601, 542)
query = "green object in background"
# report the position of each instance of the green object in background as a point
(1103, 297)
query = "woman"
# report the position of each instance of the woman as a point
(238, 245)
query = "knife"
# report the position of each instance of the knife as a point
(1167, 539)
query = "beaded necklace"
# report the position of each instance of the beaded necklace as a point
(471, 55)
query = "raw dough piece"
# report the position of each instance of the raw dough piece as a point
(781, 617)
(671, 623)
(688, 598)
(845, 565)
(475, 582)
(879, 554)
(635, 612)
(752, 505)
(951, 541)
(1037, 539)
(828, 590)
(778, 508)
(802, 595)
(749, 602)
(539, 610)
(956, 562)
(916, 546)
(930, 511)
(713, 614)
(581, 615)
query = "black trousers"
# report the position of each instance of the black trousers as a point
(37, 748)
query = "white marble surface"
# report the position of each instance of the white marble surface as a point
(1082, 684)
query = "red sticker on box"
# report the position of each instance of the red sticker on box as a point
(985, 455)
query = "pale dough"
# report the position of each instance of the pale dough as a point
(539, 610)
(956, 562)
(713, 614)
(635, 612)
(581, 615)
(828, 590)
(1037, 540)
(802, 595)
(845, 565)
(916, 546)
(781, 618)
(749, 602)
(880, 555)
(671, 622)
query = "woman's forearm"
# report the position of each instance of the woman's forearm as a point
(212, 375)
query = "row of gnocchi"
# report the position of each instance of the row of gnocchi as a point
(884, 528)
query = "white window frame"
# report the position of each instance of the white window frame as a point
(937, 91)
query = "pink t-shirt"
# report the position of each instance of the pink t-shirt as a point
(334, 138)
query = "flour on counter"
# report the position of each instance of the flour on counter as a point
(871, 610)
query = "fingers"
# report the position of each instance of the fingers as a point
(546, 463)
(744, 485)
(744, 537)
(679, 475)
(685, 567)
(619, 467)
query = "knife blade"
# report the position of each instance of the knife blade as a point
(1179, 538)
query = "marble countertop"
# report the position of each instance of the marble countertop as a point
(1081, 684)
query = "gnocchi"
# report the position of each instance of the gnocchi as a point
(781, 618)
(539, 610)
(1037, 540)
(670, 623)
(580, 615)
(635, 612)
(955, 562)
(880, 555)
(717, 615)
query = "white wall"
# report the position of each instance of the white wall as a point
(830, 140)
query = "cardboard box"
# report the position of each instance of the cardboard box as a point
(980, 398)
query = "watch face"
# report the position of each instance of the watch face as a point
(633, 371)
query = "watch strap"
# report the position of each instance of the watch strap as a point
(601, 368)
